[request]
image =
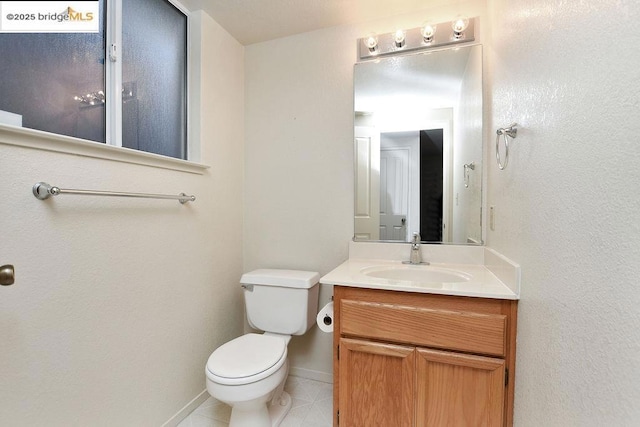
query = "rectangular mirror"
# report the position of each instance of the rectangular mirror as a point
(418, 147)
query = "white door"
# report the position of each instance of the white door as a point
(394, 193)
(367, 197)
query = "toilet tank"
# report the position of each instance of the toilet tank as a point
(281, 301)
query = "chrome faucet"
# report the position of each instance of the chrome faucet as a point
(415, 257)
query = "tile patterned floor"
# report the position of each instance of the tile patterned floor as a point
(312, 407)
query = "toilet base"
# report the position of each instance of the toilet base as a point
(279, 408)
(270, 415)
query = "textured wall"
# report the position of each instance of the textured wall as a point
(567, 205)
(119, 302)
(299, 154)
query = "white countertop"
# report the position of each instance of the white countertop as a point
(487, 274)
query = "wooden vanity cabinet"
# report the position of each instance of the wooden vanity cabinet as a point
(415, 359)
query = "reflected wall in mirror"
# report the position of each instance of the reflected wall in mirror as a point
(418, 147)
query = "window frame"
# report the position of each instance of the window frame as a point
(57, 143)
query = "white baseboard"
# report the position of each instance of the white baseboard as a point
(187, 409)
(311, 375)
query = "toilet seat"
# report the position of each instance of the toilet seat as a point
(247, 359)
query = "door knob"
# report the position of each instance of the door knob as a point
(7, 275)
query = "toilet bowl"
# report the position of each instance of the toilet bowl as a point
(249, 372)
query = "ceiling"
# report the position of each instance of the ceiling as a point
(254, 21)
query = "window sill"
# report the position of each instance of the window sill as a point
(31, 138)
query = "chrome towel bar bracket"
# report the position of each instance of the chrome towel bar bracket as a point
(510, 131)
(42, 191)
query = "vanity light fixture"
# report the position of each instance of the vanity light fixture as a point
(97, 98)
(459, 25)
(91, 99)
(399, 38)
(416, 39)
(428, 30)
(371, 42)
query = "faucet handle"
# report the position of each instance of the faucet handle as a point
(416, 237)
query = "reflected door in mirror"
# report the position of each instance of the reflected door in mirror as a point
(367, 184)
(394, 192)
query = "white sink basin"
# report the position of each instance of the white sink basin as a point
(416, 273)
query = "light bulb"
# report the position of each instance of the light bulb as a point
(399, 37)
(371, 42)
(459, 25)
(428, 30)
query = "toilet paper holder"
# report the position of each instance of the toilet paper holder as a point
(327, 320)
(324, 319)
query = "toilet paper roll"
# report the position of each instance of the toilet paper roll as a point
(325, 318)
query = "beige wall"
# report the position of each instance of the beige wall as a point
(567, 205)
(119, 302)
(299, 156)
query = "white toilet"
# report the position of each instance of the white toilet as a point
(248, 373)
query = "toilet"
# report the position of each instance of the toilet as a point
(248, 373)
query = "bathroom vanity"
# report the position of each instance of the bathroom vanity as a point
(422, 345)
(436, 351)
(413, 359)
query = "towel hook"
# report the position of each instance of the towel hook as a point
(510, 131)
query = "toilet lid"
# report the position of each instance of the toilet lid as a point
(247, 356)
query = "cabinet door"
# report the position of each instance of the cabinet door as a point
(458, 390)
(377, 383)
